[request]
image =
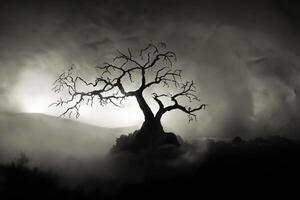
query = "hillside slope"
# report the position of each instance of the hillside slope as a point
(52, 140)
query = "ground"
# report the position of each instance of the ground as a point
(237, 169)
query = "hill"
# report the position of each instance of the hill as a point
(52, 141)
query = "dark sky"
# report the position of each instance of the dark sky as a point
(244, 55)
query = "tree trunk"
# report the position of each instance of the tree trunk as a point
(151, 125)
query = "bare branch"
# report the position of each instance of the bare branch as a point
(166, 75)
(126, 58)
(188, 91)
(167, 56)
(109, 88)
(69, 82)
(148, 50)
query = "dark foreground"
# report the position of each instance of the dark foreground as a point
(255, 169)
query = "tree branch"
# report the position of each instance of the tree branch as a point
(188, 90)
(109, 87)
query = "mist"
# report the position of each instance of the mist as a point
(243, 57)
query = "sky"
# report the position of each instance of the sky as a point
(243, 56)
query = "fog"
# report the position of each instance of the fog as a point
(244, 58)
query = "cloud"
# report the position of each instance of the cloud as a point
(245, 64)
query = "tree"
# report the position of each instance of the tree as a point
(153, 66)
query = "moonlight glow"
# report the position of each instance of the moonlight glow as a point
(111, 116)
(34, 87)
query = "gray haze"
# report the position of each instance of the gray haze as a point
(52, 143)
(243, 56)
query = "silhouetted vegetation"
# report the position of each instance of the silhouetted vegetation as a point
(136, 142)
(262, 167)
(152, 67)
(17, 179)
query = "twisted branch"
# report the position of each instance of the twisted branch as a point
(188, 92)
(109, 87)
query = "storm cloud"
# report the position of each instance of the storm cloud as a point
(244, 56)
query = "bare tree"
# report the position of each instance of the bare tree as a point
(153, 66)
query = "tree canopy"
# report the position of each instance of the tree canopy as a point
(154, 65)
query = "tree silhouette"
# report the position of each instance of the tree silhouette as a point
(153, 66)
